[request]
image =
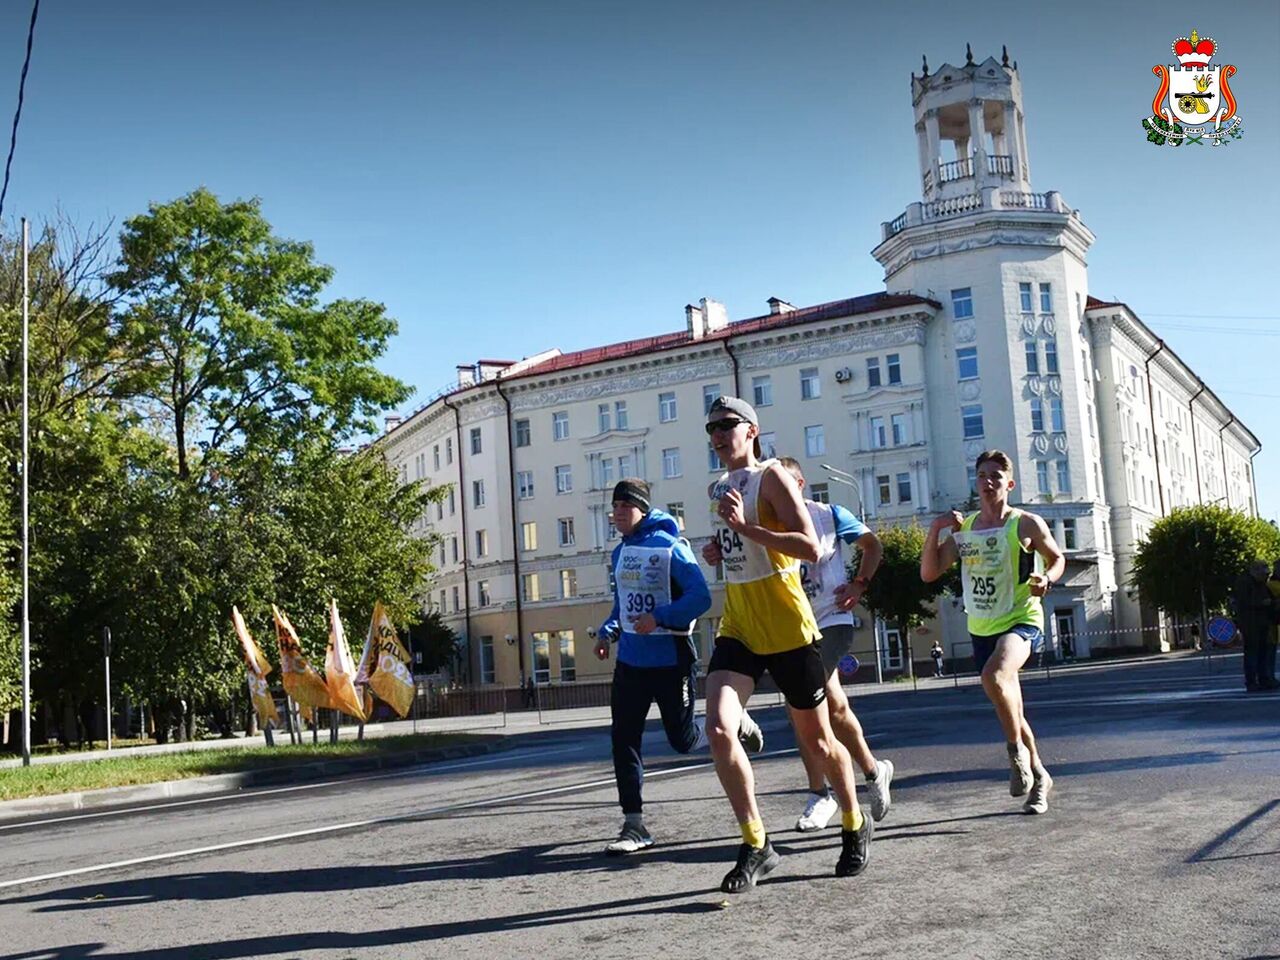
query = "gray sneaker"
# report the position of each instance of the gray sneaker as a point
(1038, 799)
(750, 735)
(1019, 770)
(879, 790)
(632, 839)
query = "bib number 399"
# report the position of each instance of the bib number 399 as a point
(641, 603)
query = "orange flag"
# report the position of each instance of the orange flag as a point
(256, 668)
(340, 669)
(300, 679)
(386, 663)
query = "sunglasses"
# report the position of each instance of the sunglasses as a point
(724, 426)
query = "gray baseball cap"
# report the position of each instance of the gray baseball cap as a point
(739, 408)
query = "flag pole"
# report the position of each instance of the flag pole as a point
(26, 539)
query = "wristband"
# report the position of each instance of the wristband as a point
(865, 581)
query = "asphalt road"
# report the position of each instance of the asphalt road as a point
(1163, 841)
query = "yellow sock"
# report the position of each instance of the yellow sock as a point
(753, 833)
(851, 819)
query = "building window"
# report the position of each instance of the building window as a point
(453, 503)
(453, 548)
(971, 477)
(606, 473)
(1042, 476)
(883, 489)
(904, 487)
(878, 436)
(487, 672)
(529, 587)
(566, 531)
(677, 514)
(448, 450)
(603, 412)
(568, 584)
(568, 671)
(1064, 477)
(671, 463)
(709, 393)
(1037, 415)
(810, 385)
(435, 456)
(762, 391)
(873, 371)
(768, 445)
(457, 603)
(815, 444)
(626, 465)
(1056, 420)
(524, 436)
(1046, 299)
(1033, 358)
(541, 658)
(442, 553)
(972, 418)
(713, 459)
(404, 473)
(439, 509)
(524, 484)
(961, 303)
(1088, 408)
(620, 414)
(529, 535)
(967, 363)
(893, 367)
(1069, 534)
(475, 441)
(560, 425)
(1024, 298)
(482, 593)
(818, 492)
(898, 422)
(477, 493)
(666, 407)
(482, 543)
(1050, 357)
(564, 479)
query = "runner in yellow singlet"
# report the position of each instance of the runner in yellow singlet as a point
(998, 548)
(762, 530)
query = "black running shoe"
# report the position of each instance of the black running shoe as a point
(753, 866)
(855, 848)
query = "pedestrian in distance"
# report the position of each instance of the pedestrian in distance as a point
(659, 591)
(761, 532)
(936, 654)
(832, 596)
(998, 548)
(1254, 609)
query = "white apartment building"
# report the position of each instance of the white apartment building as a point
(985, 336)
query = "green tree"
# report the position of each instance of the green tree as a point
(1199, 548)
(896, 593)
(435, 640)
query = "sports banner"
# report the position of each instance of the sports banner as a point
(300, 679)
(340, 669)
(386, 663)
(256, 668)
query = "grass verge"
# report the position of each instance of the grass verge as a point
(45, 779)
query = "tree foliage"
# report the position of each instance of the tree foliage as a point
(1200, 546)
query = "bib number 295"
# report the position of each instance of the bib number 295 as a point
(983, 586)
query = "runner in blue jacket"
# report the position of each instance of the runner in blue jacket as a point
(659, 591)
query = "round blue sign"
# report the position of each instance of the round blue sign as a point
(848, 664)
(1221, 631)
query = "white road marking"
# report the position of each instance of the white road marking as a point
(356, 824)
(296, 788)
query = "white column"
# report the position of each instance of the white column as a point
(1010, 140)
(926, 499)
(931, 132)
(978, 140)
(917, 422)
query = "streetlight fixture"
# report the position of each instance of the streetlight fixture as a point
(849, 480)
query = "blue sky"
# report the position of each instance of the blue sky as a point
(509, 177)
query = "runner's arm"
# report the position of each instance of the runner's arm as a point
(778, 489)
(611, 629)
(692, 598)
(937, 558)
(853, 531)
(1032, 526)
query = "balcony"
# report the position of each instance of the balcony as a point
(988, 200)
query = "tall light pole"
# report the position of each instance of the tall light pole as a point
(26, 538)
(849, 480)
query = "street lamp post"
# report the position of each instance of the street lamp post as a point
(848, 479)
(26, 519)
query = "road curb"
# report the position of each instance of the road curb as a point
(109, 797)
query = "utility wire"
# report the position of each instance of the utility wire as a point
(17, 115)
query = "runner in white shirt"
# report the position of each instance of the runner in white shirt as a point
(833, 596)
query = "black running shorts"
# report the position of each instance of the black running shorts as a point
(798, 673)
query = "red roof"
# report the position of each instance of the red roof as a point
(667, 341)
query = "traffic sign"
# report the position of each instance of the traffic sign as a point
(1221, 631)
(848, 664)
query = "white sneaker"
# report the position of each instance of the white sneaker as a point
(632, 839)
(879, 789)
(818, 812)
(1020, 778)
(750, 734)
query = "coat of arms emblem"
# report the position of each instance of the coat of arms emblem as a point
(1194, 103)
